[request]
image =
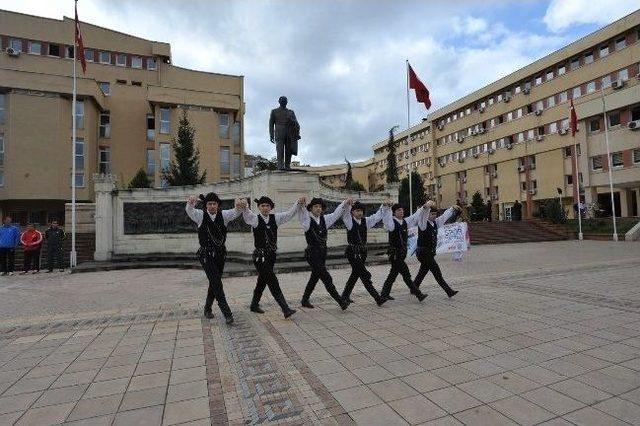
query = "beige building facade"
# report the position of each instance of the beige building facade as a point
(511, 139)
(130, 101)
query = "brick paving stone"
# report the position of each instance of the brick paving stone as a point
(522, 411)
(95, 407)
(43, 416)
(390, 390)
(184, 411)
(417, 409)
(61, 395)
(20, 402)
(621, 409)
(148, 381)
(589, 416)
(452, 399)
(143, 398)
(378, 415)
(356, 398)
(425, 382)
(185, 391)
(150, 416)
(109, 387)
(484, 390)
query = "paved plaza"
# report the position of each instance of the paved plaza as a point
(545, 333)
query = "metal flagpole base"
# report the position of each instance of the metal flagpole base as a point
(580, 236)
(615, 237)
(74, 259)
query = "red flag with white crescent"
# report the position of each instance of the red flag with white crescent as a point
(573, 120)
(79, 50)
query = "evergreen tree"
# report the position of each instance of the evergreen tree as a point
(356, 186)
(140, 180)
(349, 178)
(417, 189)
(392, 168)
(478, 207)
(265, 164)
(185, 170)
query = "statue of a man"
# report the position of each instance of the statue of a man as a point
(284, 130)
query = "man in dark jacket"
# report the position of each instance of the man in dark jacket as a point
(284, 131)
(54, 236)
(9, 240)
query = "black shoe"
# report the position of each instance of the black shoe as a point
(256, 309)
(289, 312)
(208, 314)
(229, 319)
(452, 293)
(349, 300)
(381, 300)
(389, 297)
(421, 296)
(49, 271)
(307, 304)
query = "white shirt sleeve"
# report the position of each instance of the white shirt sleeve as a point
(347, 219)
(303, 217)
(388, 220)
(284, 217)
(194, 214)
(444, 217)
(250, 217)
(414, 219)
(229, 215)
(372, 220)
(424, 219)
(331, 218)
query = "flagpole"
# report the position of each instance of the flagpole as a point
(606, 138)
(72, 260)
(409, 140)
(577, 182)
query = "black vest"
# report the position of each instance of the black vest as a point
(357, 235)
(265, 235)
(316, 236)
(428, 239)
(212, 234)
(398, 237)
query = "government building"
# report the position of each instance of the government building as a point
(511, 140)
(129, 103)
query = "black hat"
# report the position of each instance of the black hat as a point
(396, 206)
(211, 196)
(315, 201)
(264, 200)
(357, 206)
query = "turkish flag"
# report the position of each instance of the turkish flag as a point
(422, 94)
(573, 120)
(79, 50)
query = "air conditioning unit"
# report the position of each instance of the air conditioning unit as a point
(12, 52)
(481, 110)
(526, 90)
(460, 140)
(507, 98)
(473, 132)
(441, 164)
(464, 180)
(475, 155)
(538, 112)
(533, 191)
(509, 146)
(494, 197)
(460, 160)
(638, 76)
(532, 166)
(618, 84)
(480, 130)
(491, 151)
(540, 138)
(521, 169)
(440, 126)
(494, 174)
(421, 135)
(563, 131)
(634, 125)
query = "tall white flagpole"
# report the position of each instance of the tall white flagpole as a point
(409, 140)
(72, 260)
(606, 138)
(575, 154)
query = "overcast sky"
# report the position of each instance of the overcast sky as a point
(342, 63)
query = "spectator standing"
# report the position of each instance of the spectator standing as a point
(9, 240)
(31, 240)
(55, 236)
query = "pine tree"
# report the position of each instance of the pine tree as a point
(478, 207)
(349, 178)
(265, 164)
(185, 169)
(417, 189)
(356, 186)
(140, 180)
(392, 168)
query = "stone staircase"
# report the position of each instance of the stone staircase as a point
(526, 231)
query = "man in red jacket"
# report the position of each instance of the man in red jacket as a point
(31, 239)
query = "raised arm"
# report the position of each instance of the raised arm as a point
(444, 217)
(376, 217)
(388, 221)
(230, 214)
(346, 218)
(331, 218)
(250, 217)
(303, 217)
(193, 213)
(286, 216)
(415, 218)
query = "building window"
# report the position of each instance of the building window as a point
(223, 125)
(636, 155)
(606, 81)
(539, 106)
(549, 75)
(594, 125)
(235, 135)
(538, 80)
(614, 119)
(591, 87)
(520, 137)
(2, 107)
(225, 159)
(562, 97)
(509, 116)
(575, 63)
(35, 47)
(1, 159)
(530, 134)
(517, 89)
(165, 120)
(596, 163)
(519, 113)
(105, 57)
(88, 55)
(79, 162)
(541, 130)
(553, 127)
(567, 151)
(623, 75)
(236, 166)
(15, 44)
(165, 156)
(577, 92)
(151, 127)
(151, 163)
(79, 114)
(104, 160)
(616, 159)
(151, 63)
(635, 113)
(551, 101)
(54, 50)
(136, 62)
(604, 51)
(121, 60)
(69, 52)
(490, 101)
(621, 43)
(105, 87)
(588, 58)
(105, 126)
(564, 124)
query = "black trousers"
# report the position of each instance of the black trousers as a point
(283, 153)
(428, 263)
(7, 259)
(398, 267)
(264, 261)
(316, 257)
(357, 258)
(54, 257)
(32, 259)
(213, 264)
